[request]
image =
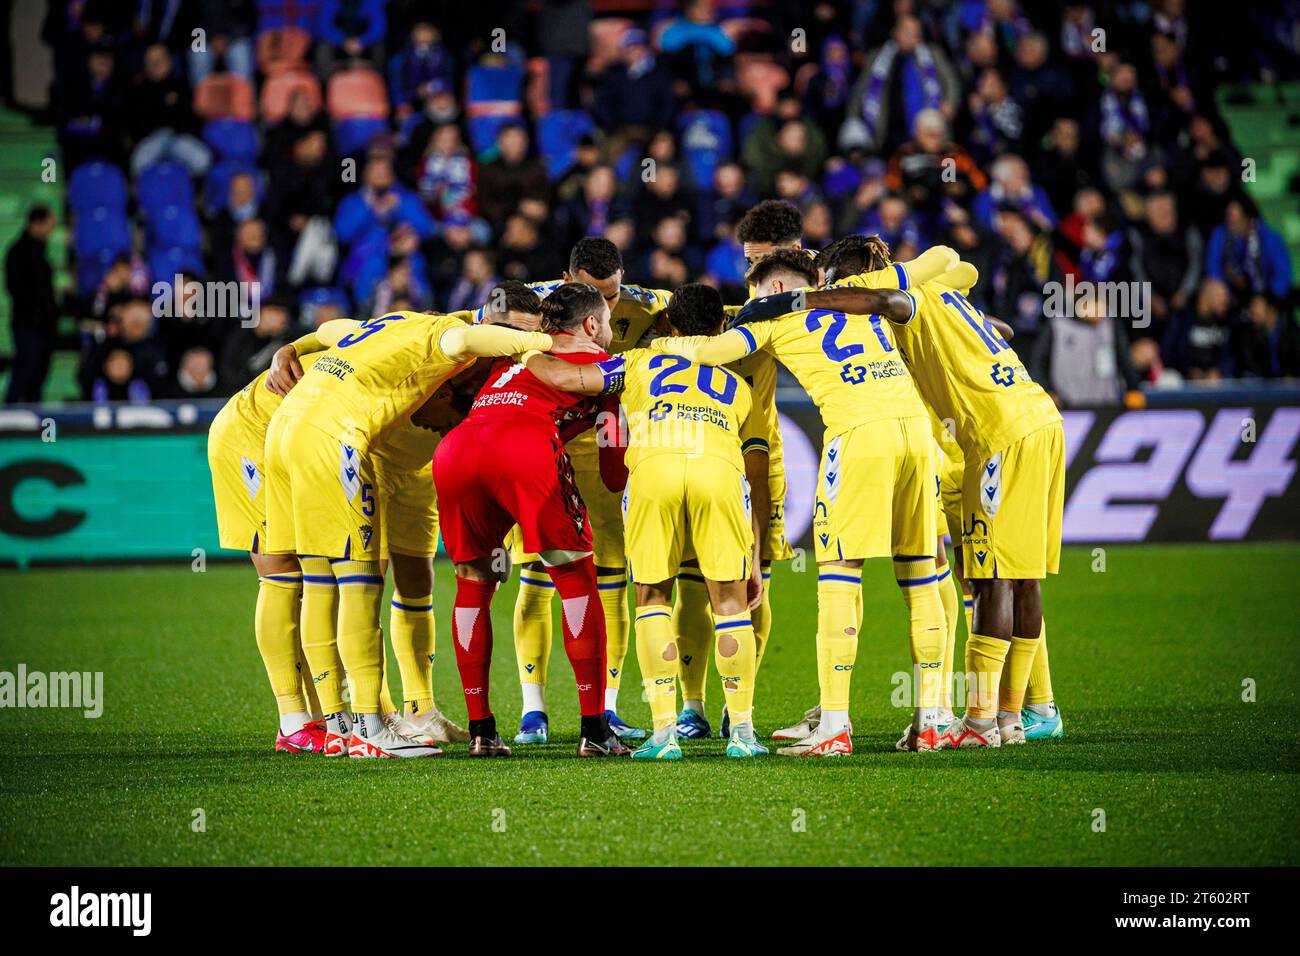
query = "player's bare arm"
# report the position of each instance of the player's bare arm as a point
(286, 367)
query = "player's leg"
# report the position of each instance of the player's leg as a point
(654, 522)
(533, 620)
(736, 655)
(657, 654)
(471, 630)
(948, 596)
(722, 533)
(320, 647)
(914, 533)
(1040, 717)
(473, 526)
(692, 628)
(276, 627)
(604, 511)
(412, 631)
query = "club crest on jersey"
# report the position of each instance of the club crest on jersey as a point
(251, 477)
(367, 531)
(349, 470)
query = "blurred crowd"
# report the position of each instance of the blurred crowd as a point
(355, 157)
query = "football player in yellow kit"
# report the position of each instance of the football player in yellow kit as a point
(329, 482)
(876, 493)
(1013, 490)
(688, 428)
(633, 313)
(770, 225)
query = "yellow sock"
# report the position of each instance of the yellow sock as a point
(411, 629)
(984, 659)
(308, 685)
(1039, 689)
(275, 623)
(656, 652)
(613, 598)
(919, 582)
(320, 607)
(533, 626)
(361, 643)
(948, 595)
(737, 662)
(386, 703)
(968, 611)
(762, 616)
(839, 618)
(1015, 674)
(693, 627)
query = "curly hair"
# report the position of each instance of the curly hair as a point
(773, 220)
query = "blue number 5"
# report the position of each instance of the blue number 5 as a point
(367, 329)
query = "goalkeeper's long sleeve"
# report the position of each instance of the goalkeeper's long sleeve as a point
(491, 341)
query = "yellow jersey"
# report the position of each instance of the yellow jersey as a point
(376, 376)
(969, 374)
(676, 406)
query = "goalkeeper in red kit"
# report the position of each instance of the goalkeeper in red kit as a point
(505, 464)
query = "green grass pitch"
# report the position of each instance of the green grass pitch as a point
(1149, 659)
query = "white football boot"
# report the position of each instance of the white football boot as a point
(371, 742)
(812, 718)
(820, 743)
(434, 725)
(959, 735)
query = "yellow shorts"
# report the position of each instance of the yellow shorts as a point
(775, 547)
(1012, 505)
(948, 515)
(673, 502)
(408, 505)
(321, 494)
(235, 460)
(875, 493)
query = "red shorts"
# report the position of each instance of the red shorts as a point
(492, 476)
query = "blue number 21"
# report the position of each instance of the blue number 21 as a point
(367, 329)
(839, 321)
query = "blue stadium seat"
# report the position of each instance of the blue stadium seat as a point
(99, 229)
(232, 139)
(166, 261)
(558, 133)
(705, 137)
(174, 226)
(97, 184)
(352, 136)
(164, 184)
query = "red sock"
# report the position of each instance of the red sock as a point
(471, 632)
(584, 630)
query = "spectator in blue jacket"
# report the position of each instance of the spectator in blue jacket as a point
(700, 50)
(1247, 254)
(419, 69)
(380, 206)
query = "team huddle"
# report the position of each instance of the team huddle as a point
(597, 433)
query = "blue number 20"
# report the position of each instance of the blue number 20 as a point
(669, 365)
